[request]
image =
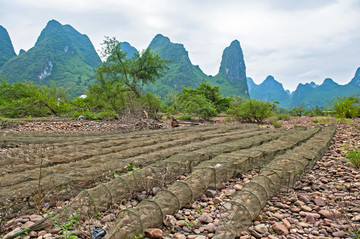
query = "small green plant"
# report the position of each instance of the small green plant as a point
(130, 167)
(65, 227)
(345, 107)
(274, 122)
(284, 117)
(199, 210)
(184, 117)
(354, 156)
(321, 121)
(139, 236)
(343, 120)
(116, 175)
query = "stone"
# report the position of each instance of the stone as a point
(35, 218)
(299, 203)
(280, 229)
(211, 193)
(205, 218)
(33, 234)
(237, 187)
(179, 236)
(261, 228)
(356, 218)
(42, 233)
(28, 224)
(170, 221)
(210, 227)
(326, 214)
(108, 218)
(319, 202)
(278, 215)
(181, 223)
(154, 233)
(340, 234)
(155, 190)
(200, 237)
(310, 218)
(254, 233)
(306, 208)
(304, 198)
(16, 230)
(217, 200)
(286, 223)
(303, 224)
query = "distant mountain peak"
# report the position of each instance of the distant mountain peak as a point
(232, 67)
(328, 82)
(6, 47)
(232, 62)
(356, 80)
(60, 54)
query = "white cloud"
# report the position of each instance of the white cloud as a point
(295, 41)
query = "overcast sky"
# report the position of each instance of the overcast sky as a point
(296, 41)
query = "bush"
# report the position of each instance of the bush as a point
(151, 104)
(274, 122)
(284, 117)
(251, 110)
(184, 117)
(298, 110)
(354, 156)
(345, 107)
(198, 106)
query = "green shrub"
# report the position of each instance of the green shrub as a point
(151, 104)
(284, 117)
(274, 122)
(252, 110)
(298, 110)
(321, 121)
(184, 117)
(345, 107)
(354, 156)
(196, 105)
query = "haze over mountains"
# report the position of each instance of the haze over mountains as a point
(64, 55)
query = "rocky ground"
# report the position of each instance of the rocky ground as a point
(323, 204)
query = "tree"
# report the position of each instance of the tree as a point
(132, 71)
(250, 110)
(346, 107)
(298, 110)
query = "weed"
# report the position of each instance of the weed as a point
(321, 121)
(274, 122)
(343, 120)
(199, 210)
(284, 117)
(130, 167)
(184, 117)
(354, 156)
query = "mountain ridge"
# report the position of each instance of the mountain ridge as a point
(6, 47)
(60, 54)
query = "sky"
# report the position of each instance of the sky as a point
(296, 41)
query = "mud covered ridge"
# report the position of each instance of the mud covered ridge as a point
(211, 157)
(150, 213)
(77, 174)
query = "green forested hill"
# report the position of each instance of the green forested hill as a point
(312, 95)
(269, 90)
(61, 54)
(6, 48)
(181, 71)
(231, 78)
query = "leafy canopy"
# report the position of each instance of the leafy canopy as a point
(129, 71)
